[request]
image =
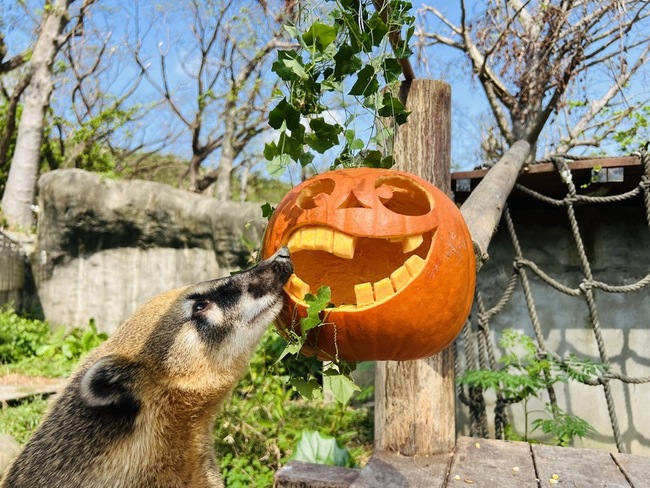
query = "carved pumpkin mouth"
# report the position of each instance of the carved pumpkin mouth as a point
(361, 271)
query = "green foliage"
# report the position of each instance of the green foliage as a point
(316, 448)
(72, 345)
(352, 48)
(22, 418)
(637, 131)
(337, 374)
(260, 189)
(20, 337)
(259, 428)
(525, 374)
(30, 346)
(563, 427)
(86, 146)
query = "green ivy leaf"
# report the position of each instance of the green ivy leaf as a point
(289, 66)
(366, 82)
(270, 150)
(393, 107)
(285, 113)
(319, 302)
(378, 29)
(324, 136)
(320, 36)
(267, 210)
(372, 159)
(308, 389)
(278, 165)
(392, 70)
(346, 62)
(342, 386)
(315, 448)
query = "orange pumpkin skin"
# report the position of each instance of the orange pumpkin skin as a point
(392, 217)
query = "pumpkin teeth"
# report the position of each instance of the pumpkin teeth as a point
(323, 239)
(340, 244)
(367, 294)
(411, 243)
(297, 287)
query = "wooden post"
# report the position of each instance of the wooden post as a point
(415, 409)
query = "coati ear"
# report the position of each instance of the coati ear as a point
(108, 383)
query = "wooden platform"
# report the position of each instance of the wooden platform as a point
(480, 463)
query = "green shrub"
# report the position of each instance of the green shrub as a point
(20, 337)
(21, 418)
(526, 373)
(29, 346)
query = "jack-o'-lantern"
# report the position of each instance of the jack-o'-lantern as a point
(395, 252)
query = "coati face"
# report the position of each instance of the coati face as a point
(196, 340)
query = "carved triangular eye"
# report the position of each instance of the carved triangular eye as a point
(352, 202)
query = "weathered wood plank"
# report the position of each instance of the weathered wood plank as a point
(550, 167)
(635, 468)
(577, 468)
(390, 470)
(489, 463)
(296, 474)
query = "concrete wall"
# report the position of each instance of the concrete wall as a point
(109, 285)
(617, 243)
(104, 247)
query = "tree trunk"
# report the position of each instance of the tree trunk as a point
(223, 185)
(415, 400)
(482, 210)
(243, 182)
(21, 184)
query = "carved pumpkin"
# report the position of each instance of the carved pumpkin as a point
(396, 253)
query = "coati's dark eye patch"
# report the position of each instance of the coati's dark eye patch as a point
(225, 296)
(210, 332)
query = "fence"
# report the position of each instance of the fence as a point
(12, 270)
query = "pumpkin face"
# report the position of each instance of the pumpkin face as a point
(396, 254)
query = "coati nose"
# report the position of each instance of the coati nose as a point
(282, 253)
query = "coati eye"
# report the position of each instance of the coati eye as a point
(200, 306)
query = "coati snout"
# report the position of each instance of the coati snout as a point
(139, 410)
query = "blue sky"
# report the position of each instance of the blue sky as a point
(469, 106)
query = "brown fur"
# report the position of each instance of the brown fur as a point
(140, 409)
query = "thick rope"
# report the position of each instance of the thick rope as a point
(480, 349)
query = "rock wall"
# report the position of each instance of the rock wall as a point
(104, 246)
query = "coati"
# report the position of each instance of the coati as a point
(140, 409)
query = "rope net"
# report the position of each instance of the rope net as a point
(477, 349)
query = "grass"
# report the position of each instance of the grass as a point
(20, 419)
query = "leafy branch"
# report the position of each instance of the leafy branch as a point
(524, 374)
(336, 374)
(348, 56)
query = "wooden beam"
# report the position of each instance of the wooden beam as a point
(415, 400)
(618, 162)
